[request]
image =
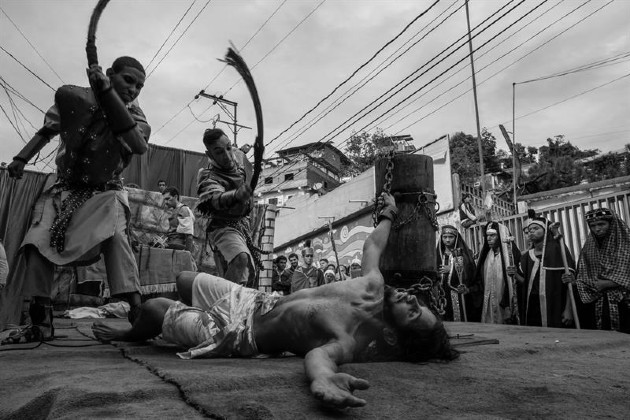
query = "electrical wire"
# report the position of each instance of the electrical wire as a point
(387, 44)
(32, 46)
(172, 32)
(178, 39)
(29, 70)
(369, 77)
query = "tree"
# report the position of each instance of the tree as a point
(363, 149)
(558, 165)
(465, 155)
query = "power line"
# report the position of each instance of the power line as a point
(6, 84)
(272, 49)
(215, 77)
(247, 43)
(437, 55)
(483, 68)
(172, 31)
(515, 61)
(388, 43)
(29, 70)
(180, 37)
(349, 120)
(278, 43)
(371, 76)
(584, 67)
(32, 46)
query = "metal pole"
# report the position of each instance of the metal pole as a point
(514, 146)
(479, 143)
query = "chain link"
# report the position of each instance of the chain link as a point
(435, 292)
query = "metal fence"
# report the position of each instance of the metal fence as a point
(570, 217)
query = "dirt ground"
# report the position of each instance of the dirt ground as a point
(529, 373)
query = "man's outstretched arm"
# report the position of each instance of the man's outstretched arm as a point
(377, 241)
(327, 384)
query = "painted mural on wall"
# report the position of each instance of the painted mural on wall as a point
(349, 239)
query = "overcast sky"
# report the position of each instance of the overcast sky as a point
(300, 50)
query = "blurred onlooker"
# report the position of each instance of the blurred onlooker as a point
(323, 263)
(467, 214)
(329, 276)
(161, 186)
(181, 221)
(355, 268)
(281, 277)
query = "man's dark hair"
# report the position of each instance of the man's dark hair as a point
(122, 62)
(174, 192)
(161, 180)
(280, 258)
(413, 344)
(211, 135)
(324, 259)
(293, 254)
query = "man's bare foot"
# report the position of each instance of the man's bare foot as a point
(106, 333)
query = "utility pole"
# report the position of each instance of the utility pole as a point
(479, 143)
(234, 105)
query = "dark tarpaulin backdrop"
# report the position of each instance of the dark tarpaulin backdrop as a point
(176, 166)
(17, 198)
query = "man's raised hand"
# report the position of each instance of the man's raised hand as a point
(16, 169)
(336, 390)
(98, 80)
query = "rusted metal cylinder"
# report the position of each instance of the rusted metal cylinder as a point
(410, 251)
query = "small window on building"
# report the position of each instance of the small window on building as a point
(273, 200)
(288, 177)
(269, 180)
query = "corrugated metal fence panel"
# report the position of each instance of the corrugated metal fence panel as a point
(570, 217)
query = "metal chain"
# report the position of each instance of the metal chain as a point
(427, 287)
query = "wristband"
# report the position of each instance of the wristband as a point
(389, 212)
(20, 159)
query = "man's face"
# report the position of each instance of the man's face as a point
(599, 228)
(308, 259)
(535, 233)
(282, 264)
(127, 83)
(493, 240)
(221, 152)
(162, 186)
(448, 240)
(323, 264)
(407, 311)
(294, 262)
(355, 266)
(170, 200)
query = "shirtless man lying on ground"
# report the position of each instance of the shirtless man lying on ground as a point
(357, 320)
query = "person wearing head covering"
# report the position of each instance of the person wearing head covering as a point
(355, 268)
(456, 268)
(545, 300)
(225, 197)
(498, 262)
(307, 275)
(604, 270)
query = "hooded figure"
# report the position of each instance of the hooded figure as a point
(604, 270)
(545, 299)
(456, 267)
(498, 293)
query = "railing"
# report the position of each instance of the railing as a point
(570, 216)
(500, 208)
